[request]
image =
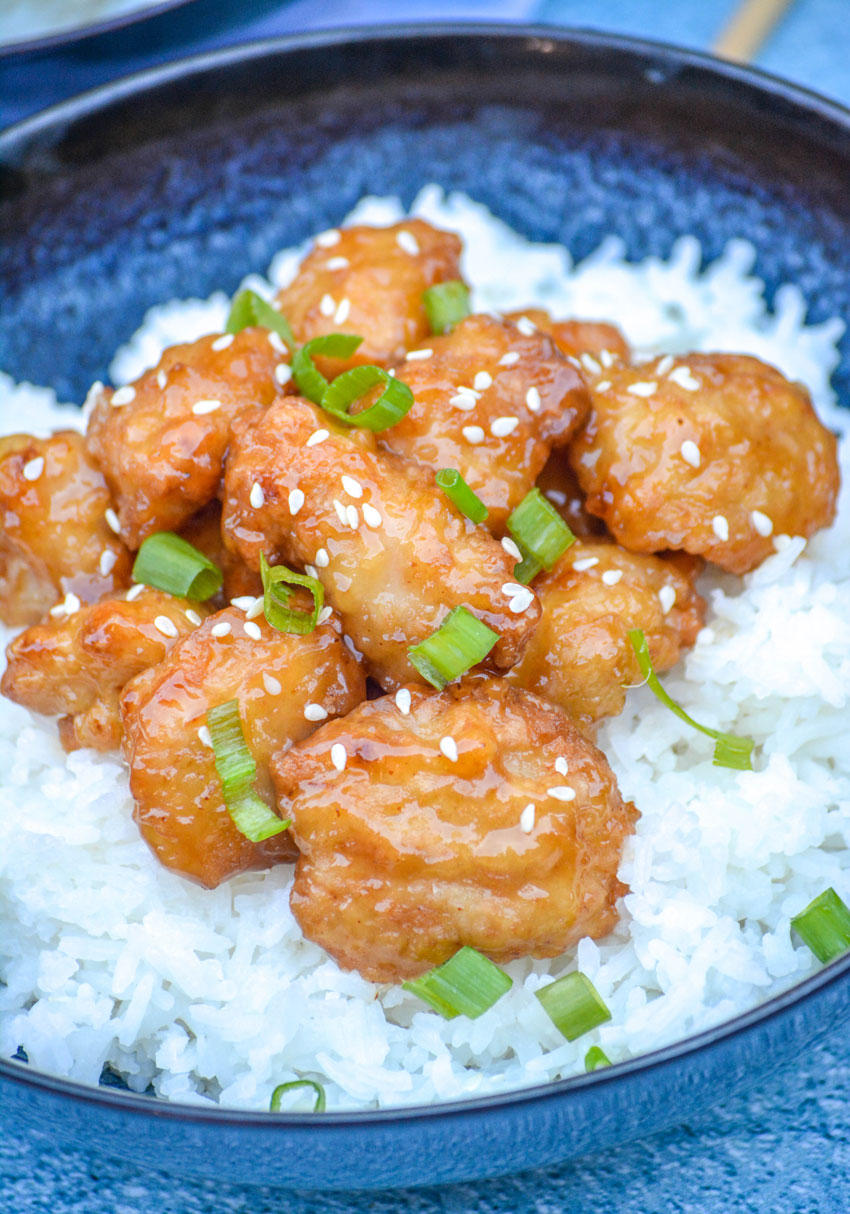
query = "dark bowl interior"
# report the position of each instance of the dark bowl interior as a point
(181, 180)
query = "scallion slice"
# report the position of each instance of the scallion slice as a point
(390, 407)
(237, 771)
(459, 493)
(308, 379)
(446, 305)
(169, 563)
(461, 642)
(541, 535)
(277, 596)
(824, 926)
(729, 750)
(249, 308)
(465, 985)
(574, 1005)
(595, 1058)
(280, 1091)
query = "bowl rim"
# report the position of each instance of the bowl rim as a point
(56, 118)
(67, 36)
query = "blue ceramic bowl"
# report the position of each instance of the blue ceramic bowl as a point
(179, 180)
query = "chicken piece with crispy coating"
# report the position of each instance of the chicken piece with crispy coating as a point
(76, 663)
(602, 342)
(394, 556)
(490, 402)
(477, 816)
(714, 454)
(580, 657)
(284, 683)
(54, 539)
(161, 440)
(370, 281)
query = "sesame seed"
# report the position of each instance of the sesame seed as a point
(483, 380)
(318, 436)
(315, 712)
(462, 401)
(602, 386)
(243, 602)
(667, 598)
(606, 358)
(33, 468)
(586, 562)
(123, 396)
(473, 434)
(221, 343)
(255, 609)
(762, 524)
(556, 496)
(352, 487)
(257, 497)
(682, 376)
(220, 630)
(276, 341)
(781, 542)
(417, 355)
(691, 453)
(612, 576)
(590, 364)
(526, 326)
(561, 766)
(337, 263)
(521, 602)
(71, 603)
(720, 527)
(511, 548)
(510, 359)
(449, 748)
(339, 756)
(134, 592)
(371, 516)
(353, 517)
(646, 388)
(465, 390)
(252, 630)
(311, 570)
(340, 511)
(283, 373)
(161, 380)
(327, 305)
(271, 684)
(204, 736)
(532, 399)
(402, 700)
(526, 819)
(112, 521)
(512, 588)
(664, 365)
(192, 616)
(107, 562)
(408, 242)
(342, 312)
(166, 626)
(575, 362)
(326, 240)
(322, 558)
(324, 615)
(205, 406)
(562, 792)
(296, 500)
(503, 426)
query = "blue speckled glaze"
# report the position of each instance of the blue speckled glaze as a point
(186, 178)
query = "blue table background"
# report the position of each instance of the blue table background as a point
(782, 1149)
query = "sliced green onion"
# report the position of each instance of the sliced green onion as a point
(237, 771)
(446, 305)
(824, 926)
(729, 750)
(390, 407)
(461, 642)
(170, 563)
(457, 491)
(465, 985)
(280, 1091)
(249, 308)
(595, 1059)
(277, 596)
(541, 535)
(308, 379)
(574, 1005)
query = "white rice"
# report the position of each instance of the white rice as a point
(216, 997)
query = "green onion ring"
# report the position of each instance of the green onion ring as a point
(308, 379)
(237, 771)
(277, 594)
(466, 985)
(168, 562)
(459, 494)
(249, 308)
(461, 642)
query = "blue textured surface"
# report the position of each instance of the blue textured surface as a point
(782, 1148)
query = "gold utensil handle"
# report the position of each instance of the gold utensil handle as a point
(749, 27)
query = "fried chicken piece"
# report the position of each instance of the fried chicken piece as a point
(284, 684)
(479, 816)
(394, 556)
(577, 337)
(580, 657)
(77, 663)
(370, 281)
(494, 421)
(161, 440)
(713, 453)
(559, 484)
(54, 538)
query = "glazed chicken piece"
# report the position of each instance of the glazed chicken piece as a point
(580, 656)
(161, 440)
(284, 684)
(55, 539)
(394, 556)
(477, 816)
(604, 343)
(559, 484)
(370, 281)
(490, 402)
(714, 454)
(76, 663)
